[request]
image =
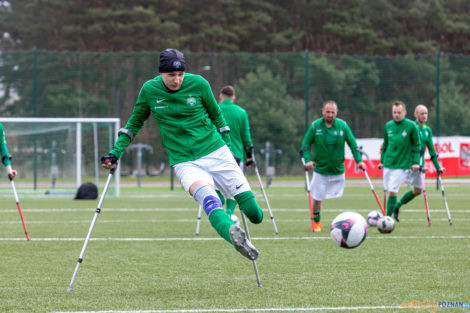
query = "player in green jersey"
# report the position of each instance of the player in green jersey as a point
(237, 120)
(425, 135)
(328, 135)
(400, 152)
(6, 157)
(196, 137)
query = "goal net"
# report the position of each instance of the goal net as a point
(54, 156)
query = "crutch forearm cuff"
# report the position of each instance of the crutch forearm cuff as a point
(6, 157)
(126, 132)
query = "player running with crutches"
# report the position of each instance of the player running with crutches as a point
(328, 136)
(400, 154)
(6, 160)
(242, 145)
(418, 183)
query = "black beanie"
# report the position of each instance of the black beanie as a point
(171, 60)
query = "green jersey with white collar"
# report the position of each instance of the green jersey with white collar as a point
(425, 136)
(401, 145)
(328, 146)
(188, 119)
(237, 120)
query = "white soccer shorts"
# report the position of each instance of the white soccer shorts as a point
(218, 169)
(413, 178)
(327, 187)
(393, 178)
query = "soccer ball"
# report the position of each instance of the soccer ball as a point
(373, 217)
(385, 224)
(348, 230)
(235, 219)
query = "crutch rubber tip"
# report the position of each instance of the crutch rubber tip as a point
(260, 286)
(69, 289)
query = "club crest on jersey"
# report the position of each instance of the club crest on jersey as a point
(191, 101)
(404, 133)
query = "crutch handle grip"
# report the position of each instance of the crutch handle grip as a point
(10, 177)
(111, 171)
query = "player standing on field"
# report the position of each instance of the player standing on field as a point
(196, 136)
(400, 153)
(6, 157)
(425, 136)
(328, 135)
(237, 119)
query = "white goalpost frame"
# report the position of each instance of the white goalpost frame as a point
(78, 122)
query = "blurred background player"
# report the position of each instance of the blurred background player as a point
(400, 154)
(425, 136)
(6, 157)
(186, 111)
(237, 119)
(328, 135)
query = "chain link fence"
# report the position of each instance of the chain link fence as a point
(282, 92)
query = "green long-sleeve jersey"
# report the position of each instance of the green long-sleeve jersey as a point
(237, 120)
(188, 119)
(425, 136)
(401, 145)
(328, 146)
(3, 146)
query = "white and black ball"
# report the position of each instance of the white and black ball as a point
(348, 230)
(385, 224)
(373, 217)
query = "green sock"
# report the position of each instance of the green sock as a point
(246, 201)
(316, 216)
(221, 223)
(407, 197)
(231, 205)
(391, 204)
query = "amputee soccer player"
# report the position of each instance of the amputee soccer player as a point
(328, 135)
(425, 136)
(196, 137)
(6, 157)
(237, 119)
(400, 153)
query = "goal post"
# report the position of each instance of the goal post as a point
(60, 152)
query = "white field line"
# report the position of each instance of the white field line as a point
(190, 221)
(341, 308)
(194, 209)
(218, 238)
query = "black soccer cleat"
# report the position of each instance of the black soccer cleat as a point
(395, 215)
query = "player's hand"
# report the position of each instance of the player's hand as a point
(362, 166)
(309, 165)
(415, 167)
(109, 161)
(250, 163)
(440, 171)
(11, 173)
(380, 166)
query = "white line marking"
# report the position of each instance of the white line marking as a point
(192, 221)
(341, 308)
(290, 210)
(218, 238)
